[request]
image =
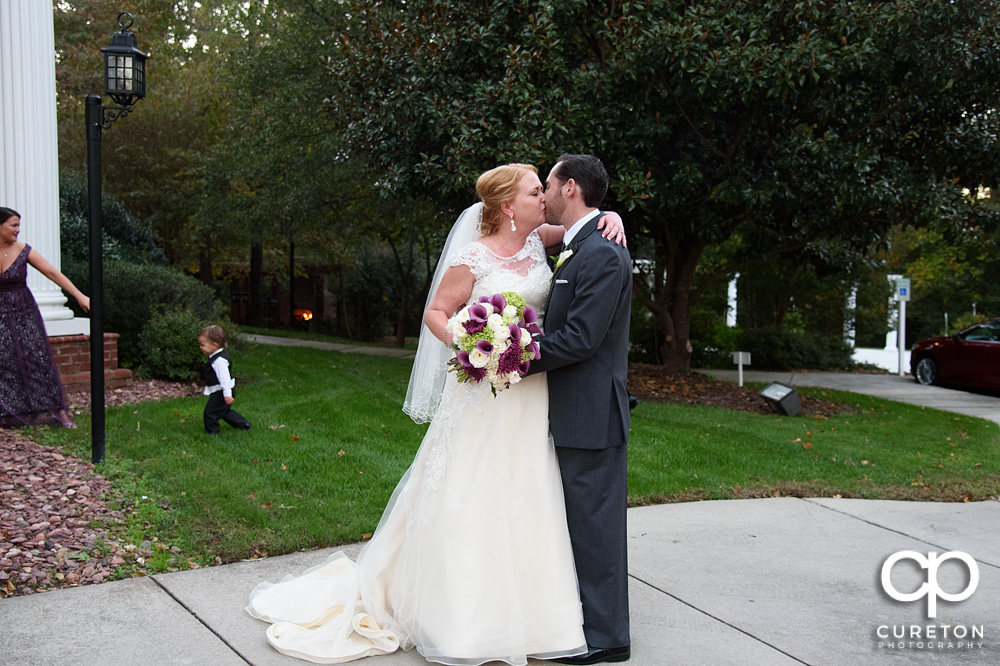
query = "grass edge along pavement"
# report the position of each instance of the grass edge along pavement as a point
(330, 442)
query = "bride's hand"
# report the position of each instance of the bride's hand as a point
(615, 229)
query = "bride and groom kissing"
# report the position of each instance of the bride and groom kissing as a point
(502, 541)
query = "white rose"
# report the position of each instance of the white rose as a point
(509, 312)
(478, 359)
(514, 378)
(525, 337)
(463, 316)
(495, 322)
(501, 334)
(460, 333)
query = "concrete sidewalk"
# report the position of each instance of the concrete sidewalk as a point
(761, 582)
(890, 387)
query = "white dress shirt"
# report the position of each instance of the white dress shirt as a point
(575, 229)
(226, 382)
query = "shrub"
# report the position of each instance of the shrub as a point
(134, 293)
(776, 349)
(169, 344)
(124, 237)
(716, 349)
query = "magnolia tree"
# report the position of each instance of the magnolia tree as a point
(739, 130)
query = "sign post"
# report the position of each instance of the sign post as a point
(902, 296)
(741, 359)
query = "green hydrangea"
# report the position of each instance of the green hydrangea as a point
(514, 298)
(468, 343)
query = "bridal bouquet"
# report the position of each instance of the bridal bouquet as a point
(494, 340)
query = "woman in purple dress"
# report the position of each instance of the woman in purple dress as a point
(29, 382)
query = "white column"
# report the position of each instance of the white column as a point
(29, 157)
(731, 303)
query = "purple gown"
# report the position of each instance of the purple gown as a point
(30, 390)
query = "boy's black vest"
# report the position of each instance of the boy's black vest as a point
(211, 379)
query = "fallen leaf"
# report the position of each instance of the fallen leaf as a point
(266, 506)
(283, 467)
(797, 439)
(282, 506)
(253, 495)
(295, 438)
(341, 452)
(807, 445)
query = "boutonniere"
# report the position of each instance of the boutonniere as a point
(563, 256)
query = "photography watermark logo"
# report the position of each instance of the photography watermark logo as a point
(944, 636)
(930, 588)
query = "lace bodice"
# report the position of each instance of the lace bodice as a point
(526, 272)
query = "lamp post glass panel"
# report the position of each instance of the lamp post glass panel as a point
(125, 83)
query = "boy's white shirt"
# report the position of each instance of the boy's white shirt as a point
(226, 382)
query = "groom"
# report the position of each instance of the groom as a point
(585, 352)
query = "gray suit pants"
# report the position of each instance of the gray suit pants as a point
(596, 490)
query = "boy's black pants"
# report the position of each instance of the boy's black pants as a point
(218, 409)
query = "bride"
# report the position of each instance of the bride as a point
(471, 561)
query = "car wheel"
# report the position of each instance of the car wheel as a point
(927, 371)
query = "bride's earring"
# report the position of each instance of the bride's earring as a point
(512, 227)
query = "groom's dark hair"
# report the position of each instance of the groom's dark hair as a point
(589, 173)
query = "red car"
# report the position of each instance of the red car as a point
(971, 357)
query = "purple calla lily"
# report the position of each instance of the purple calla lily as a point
(499, 302)
(478, 312)
(463, 359)
(485, 346)
(477, 319)
(534, 330)
(535, 349)
(530, 315)
(515, 333)
(523, 368)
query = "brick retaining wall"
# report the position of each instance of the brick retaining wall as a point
(72, 357)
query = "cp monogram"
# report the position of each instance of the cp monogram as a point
(930, 589)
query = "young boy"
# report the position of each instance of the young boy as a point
(219, 382)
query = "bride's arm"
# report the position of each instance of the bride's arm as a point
(454, 290)
(611, 222)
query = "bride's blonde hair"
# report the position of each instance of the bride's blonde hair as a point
(498, 186)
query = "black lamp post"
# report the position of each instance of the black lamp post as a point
(125, 83)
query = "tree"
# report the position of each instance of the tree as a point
(774, 123)
(153, 158)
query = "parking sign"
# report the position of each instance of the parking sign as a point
(903, 289)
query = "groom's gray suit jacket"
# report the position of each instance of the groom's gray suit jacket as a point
(585, 348)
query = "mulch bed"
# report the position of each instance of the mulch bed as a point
(55, 528)
(140, 391)
(654, 384)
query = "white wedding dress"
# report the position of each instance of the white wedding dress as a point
(471, 561)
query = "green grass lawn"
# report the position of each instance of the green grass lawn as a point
(330, 442)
